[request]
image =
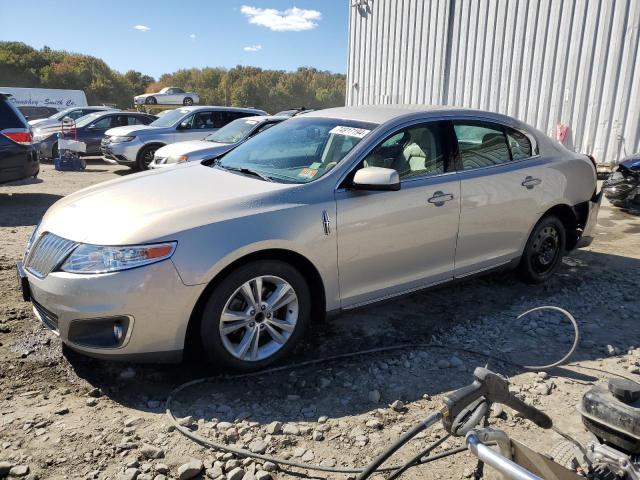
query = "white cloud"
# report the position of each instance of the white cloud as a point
(290, 20)
(193, 35)
(253, 48)
(142, 28)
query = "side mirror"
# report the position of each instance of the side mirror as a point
(376, 178)
(184, 126)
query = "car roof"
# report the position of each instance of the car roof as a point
(198, 108)
(383, 113)
(265, 118)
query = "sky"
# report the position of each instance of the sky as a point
(164, 36)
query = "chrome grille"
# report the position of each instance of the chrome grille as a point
(49, 319)
(47, 253)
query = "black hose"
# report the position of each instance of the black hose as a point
(399, 443)
(415, 460)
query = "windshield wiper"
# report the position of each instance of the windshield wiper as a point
(246, 171)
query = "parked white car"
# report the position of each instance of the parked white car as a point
(167, 96)
(214, 145)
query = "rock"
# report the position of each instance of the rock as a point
(298, 452)
(235, 474)
(258, 446)
(94, 392)
(231, 464)
(160, 477)
(323, 419)
(151, 452)
(328, 462)
(61, 411)
(19, 471)
(214, 472)
(4, 468)
(129, 474)
(263, 475)
(133, 421)
(269, 466)
(91, 402)
(397, 406)
(290, 429)
(442, 363)
(497, 411)
(317, 436)
(374, 423)
(190, 469)
(161, 468)
(612, 351)
(456, 362)
(543, 389)
(274, 428)
(308, 456)
(224, 426)
(374, 396)
(543, 375)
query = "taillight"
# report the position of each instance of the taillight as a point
(18, 136)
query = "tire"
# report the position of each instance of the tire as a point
(150, 101)
(54, 151)
(244, 321)
(187, 101)
(564, 453)
(544, 250)
(145, 157)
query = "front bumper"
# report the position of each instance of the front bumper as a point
(149, 304)
(124, 153)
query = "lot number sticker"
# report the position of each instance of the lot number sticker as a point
(349, 131)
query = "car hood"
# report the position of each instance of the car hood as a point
(157, 204)
(46, 130)
(40, 121)
(131, 130)
(182, 148)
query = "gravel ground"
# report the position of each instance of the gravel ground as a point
(66, 416)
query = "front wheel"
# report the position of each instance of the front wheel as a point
(255, 316)
(145, 157)
(544, 250)
(150, 101)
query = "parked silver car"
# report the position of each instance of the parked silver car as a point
(168, 96)
(75, 113)
(136, 146)
(331, 210)
(214, 145)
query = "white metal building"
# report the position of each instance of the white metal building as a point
(547, 62)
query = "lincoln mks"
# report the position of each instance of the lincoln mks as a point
(327, 211)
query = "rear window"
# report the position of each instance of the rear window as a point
(10, 116)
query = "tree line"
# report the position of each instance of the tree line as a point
(270, 90)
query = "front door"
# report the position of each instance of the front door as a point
(397, 241)
(500, 183)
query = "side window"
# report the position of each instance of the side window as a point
(481, 144)
(77, 114)
(103, 123)
(519, 144)
(203, 120)
(413, 152)
(264, 127)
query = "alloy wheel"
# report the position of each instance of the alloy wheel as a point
(259, 318)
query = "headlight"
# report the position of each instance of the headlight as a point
(32, 238)
(121, 139)
(99, 259)
(180, 159)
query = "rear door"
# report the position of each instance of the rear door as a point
(392, 242)
(500, 184)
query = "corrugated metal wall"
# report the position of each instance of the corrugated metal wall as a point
(546, 62)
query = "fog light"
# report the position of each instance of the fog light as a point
(118, 332)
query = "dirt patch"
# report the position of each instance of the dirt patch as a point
(67, 416)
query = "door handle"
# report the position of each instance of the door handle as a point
(530, 182)
(439, 198)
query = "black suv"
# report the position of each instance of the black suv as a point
(18, 158)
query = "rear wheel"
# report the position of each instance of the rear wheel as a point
(145, 157)
(187, 101)
(544, 250)
(255, 316)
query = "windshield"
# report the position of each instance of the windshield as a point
(299, 150)
(87, 119)
(233, 132)
(170, 118)
(62, 114)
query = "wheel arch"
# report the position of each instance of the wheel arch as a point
(572, 218)
(306, 267)
(147, 145)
